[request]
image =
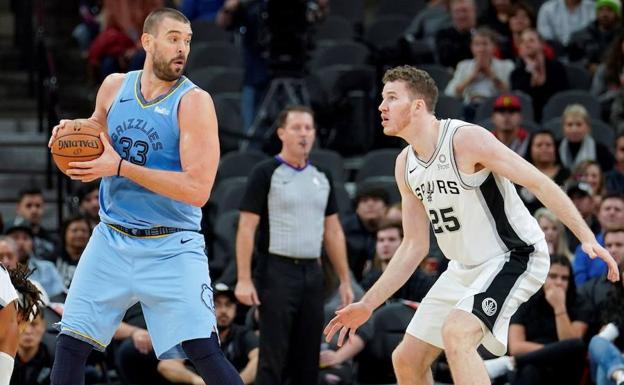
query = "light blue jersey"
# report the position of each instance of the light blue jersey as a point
(167, 273)
(147, 134)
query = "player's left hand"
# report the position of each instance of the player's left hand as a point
(347, 320)
(594, 250)
(346, 293)
(105, 165)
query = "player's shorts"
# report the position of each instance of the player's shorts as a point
(167, 274)
(492, 291)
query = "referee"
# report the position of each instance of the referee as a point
(291, 203)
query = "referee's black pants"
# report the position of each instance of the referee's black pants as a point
(291, 320)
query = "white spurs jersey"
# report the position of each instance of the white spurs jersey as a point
(8, 293)
(475, 217)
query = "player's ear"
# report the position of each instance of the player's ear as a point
(146, 40)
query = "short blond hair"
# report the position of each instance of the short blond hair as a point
(576, 110)
(418, 82)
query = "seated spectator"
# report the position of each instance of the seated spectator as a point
(521, 18)
(610, 216)
(609, 76)
(118, 47)
(554, 233)
(578, 145)
(453, 43)
(29, 211)
(542, 153)
(582, 197)
(75, 233)
(481, 77)
(8, 252)
(134, 353)
(536, 75)
(614, 179)
(496, 16)
(89, 202)
(359, 228)
(545, 335)
(617, 109)
(590, 43)
(389, 237)
(429, 21)
(605, 349)
(87, 30)
(590, 172)
(33, 362)
(239, 344)
(557, 20)
(507, 120)
(201, 10)
(43, 272)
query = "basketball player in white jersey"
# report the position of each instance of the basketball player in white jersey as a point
(457, 176)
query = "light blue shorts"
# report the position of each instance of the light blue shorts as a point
(168, 275)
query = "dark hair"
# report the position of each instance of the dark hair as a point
(418, 82)
(526, 7)
(28, 191)
(155, 17)
(529, 157)
(86, 189)
(613, 230)
(30, 303)
(283, 115)
(614, 61)
(68, 221)
(571, 292)
(372, 192)
(611, 195)
(389, 224)
(486, 32)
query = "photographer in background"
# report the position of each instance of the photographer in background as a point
(275, 40)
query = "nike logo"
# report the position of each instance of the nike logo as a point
(122, 100)
(412, 170)
(183, 241)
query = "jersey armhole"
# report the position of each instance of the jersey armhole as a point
(118, 93)
(464, 184)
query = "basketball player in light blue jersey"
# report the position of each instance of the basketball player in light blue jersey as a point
(161, 151)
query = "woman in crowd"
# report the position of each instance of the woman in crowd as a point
(554, 232)
(578, 145)
(542, 154)
(75, 234)
(545, 335)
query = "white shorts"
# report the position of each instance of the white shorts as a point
(492, 291)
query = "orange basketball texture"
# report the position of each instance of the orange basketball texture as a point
(78, 141)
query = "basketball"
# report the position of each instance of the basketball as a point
(77, 141)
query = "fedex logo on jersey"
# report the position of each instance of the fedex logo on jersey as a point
(427, 189)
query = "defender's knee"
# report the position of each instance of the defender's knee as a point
(461, 330)
(405, 362)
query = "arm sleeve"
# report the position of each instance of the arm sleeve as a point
(331, 207)
(258, 186)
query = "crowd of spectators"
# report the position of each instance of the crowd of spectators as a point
(504, 64)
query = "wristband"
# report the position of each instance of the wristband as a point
(119, 166)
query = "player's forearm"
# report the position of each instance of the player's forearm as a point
(336, 248)
(553, 197)
(180, 186)
(402, 265)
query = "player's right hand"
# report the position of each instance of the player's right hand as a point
(245, 292)
(347, 320)
(55, 130)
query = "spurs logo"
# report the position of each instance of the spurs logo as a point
(489, 306)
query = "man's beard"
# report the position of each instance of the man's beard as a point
(163, 71)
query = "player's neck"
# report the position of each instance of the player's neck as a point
(151, 86)
(422, 136)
